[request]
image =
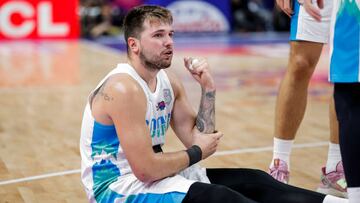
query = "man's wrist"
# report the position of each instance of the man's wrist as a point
(208, 86)
(209, 89)
(195, 154)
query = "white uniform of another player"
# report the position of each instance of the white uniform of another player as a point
(105, 171)
(306, 28)
(345, 42)
(345, 74)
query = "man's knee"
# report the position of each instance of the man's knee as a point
(301, 67)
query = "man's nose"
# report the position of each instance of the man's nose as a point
(168, 41)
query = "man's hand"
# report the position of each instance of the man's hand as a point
(199, 69)
(207, 142)
(313, 10)
(285, 5)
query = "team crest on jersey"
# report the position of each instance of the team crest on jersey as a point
(167, 96)
(161, 106)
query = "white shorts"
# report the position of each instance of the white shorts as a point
(172, 190)
(128, 188)
(306, 28)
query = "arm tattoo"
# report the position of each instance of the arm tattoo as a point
(105, 96)
(205, 120)
(101, 93)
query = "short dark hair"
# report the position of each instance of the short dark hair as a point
(134, 20)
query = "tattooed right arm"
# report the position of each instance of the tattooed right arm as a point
(205, 120)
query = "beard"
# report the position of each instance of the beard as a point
(154, 62)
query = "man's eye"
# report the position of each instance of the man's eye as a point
(158, 35)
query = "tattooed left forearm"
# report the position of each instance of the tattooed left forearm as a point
(205, 120)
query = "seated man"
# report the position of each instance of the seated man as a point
(126, 119)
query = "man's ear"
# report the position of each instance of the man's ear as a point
(133, 44)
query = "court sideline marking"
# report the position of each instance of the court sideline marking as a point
(220, 153)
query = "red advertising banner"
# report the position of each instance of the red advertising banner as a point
(39, 19)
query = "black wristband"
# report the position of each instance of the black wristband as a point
(195, 154)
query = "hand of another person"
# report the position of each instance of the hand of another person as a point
(199, 69)
(207, 142)
(285, 6)
(312, 10)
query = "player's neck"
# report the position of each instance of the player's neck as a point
(147, 74)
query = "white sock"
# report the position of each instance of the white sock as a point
(282, 150)
(354, 194)
(334, 157)
(333, 199)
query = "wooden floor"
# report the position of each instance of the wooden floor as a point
(43, 90)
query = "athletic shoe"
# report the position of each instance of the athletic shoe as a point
(333, 183)
(280, 171)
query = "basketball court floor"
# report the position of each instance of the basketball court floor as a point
(44, 87)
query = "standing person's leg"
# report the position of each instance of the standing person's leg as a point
(260, 186)
(334, 156)
(292, 96)
(307, 38)
(347, 102)
(332, 176)
(291, 103)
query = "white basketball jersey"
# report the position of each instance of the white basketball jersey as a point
(103, 159)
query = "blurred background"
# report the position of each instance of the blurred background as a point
(95, 18)
(104, 17)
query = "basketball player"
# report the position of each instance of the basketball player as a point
(125, 123)
(306, 41)
(345, 74)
